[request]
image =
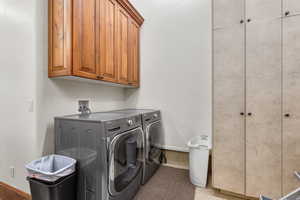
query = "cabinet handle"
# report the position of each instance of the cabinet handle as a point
(250, 114)
(287, 13)
(248, 20)
(242, 21)
(99, 77)
(287, 115)
(242, 114)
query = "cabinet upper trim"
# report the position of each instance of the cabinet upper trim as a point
(132, 11)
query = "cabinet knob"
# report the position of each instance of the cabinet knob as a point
(287, 115)
(242, 21)
(242, 114)
(287, 13)
(250, 114)
(248, 20)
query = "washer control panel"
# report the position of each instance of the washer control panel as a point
(134, 121)
(122, 125)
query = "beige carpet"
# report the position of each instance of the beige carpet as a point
(168, 184)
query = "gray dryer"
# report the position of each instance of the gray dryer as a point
(153, 139)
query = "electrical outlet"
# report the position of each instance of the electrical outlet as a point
(12, 172)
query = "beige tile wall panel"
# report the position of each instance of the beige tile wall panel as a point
(293, 6)
(291, 102)
(228, 12)
(263, 9)
(263, 97)
(229, 101)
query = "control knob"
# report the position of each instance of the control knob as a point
(130, 122)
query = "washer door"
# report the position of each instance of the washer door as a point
(153, 141)
(125, 159)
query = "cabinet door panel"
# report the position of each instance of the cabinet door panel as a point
(123, 46)
(263, 97)
(108, 41)
(60, 37)
(229, 102)
(133, 53)
(293, 6)
(263, 9)
(85, 37)
(291, 99)
(228, 12)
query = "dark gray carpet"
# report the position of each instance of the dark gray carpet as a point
(168, 184)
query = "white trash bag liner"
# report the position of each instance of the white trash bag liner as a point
(51, 168)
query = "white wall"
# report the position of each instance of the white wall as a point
(176, 73)
(17, 87)
(25, 135)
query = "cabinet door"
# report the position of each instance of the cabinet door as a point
(291, 99)
(263, 9)
(134, 72)
(60, 37)
(123, 46)
(108, 66)
(228, 109)
(228, 12)
(86, 31)
(263, 105)
(291, 6)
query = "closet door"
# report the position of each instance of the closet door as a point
(123, 46)
(228, 109)
(263, 105)
(134, 35)
(60, 37)
(228, 12)
(291, 102)
(86, 32)
(263, 9)
(291, 7)
(108, 43)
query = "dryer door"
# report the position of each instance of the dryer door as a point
(153, 141)
(125, 159)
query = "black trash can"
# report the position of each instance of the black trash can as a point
(62, 189)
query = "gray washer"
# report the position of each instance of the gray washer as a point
(109, 150)
(152, 131)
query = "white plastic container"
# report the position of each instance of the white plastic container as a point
(199, 155)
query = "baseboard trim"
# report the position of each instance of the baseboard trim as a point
(236, 195)
(174, 148)
(20, 195)
(175, 166)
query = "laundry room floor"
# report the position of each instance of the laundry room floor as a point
(168, 184)
(211, 194)
(174, 184)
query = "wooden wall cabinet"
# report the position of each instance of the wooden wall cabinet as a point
(95, 39)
